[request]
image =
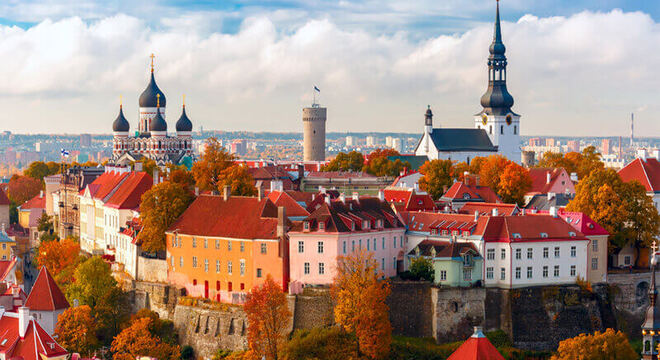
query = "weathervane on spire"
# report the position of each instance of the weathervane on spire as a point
(152, 56)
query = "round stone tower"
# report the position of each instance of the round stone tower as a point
(314, 133)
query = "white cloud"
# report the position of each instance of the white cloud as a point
(569, 75)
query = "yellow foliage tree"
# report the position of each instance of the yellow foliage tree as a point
(239, 180)
(360, 303)
(597, 346)
(215, 159)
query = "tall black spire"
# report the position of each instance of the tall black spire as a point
(497, 100)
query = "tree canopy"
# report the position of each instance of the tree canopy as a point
(76, 330)
(138, 340)
(596, 346)
(268, 318)
(238, 179)
(60, 258)
(582, 163)
(436, 177)
(23, 188)
(208, 170)
(352, 161)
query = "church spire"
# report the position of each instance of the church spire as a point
(497, 100)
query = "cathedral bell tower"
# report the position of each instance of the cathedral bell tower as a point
(501, 124)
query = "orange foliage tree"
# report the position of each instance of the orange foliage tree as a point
(436, 177)
(514, 183)
(360, 303)
(138, 340)
(600, 345)
(160, 207)
(76, 330)
(268, 319)
(239, 180)
(215, 159)
(491, 171)
(23, 188)
(60, 258)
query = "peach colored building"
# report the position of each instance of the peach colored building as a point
(341, 227)
(222, 246)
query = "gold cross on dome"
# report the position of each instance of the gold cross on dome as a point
(152, 56)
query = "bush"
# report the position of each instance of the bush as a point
(405, 348)
(187, 353)
(499, 338)
(422, 268)
(321, 343)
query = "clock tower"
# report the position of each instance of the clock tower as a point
(498, 120)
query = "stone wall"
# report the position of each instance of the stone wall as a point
(456, 311)
(208, 330)
(411, 309)
(630, 300)
(151, 270)
(157, 297)
(312, 308)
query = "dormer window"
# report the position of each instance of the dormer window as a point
(467, 260)
(321, 225)
(516, 236)
(444, 232)
(352, 225)
(365, 225)
(544, 235)
(571, 234)
(306, 225)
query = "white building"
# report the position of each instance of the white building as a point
(350, 141)
(396, 145)
(497, 127)
(371, 142)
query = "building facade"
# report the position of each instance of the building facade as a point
(314, 119)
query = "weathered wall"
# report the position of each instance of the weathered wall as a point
(151, 270)
(312, 308)
(208, 330)
(630, 300)
(456, 311)
(411, 308)
(157, 297)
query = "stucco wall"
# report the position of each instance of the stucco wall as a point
(151, 270)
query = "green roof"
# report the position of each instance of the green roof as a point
(415, 161)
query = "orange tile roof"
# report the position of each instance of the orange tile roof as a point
(45, 294)
(290, 204)
(529, 228)
(339, 216)
(5, 267)
(539, 177)
(647, 172)
(238, 217)
(582, 223)
(411, 201)
(37, 202)
(103, 185)
(429, 221)
(129, 193)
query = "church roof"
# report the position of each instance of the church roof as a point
(158, 123)
(45, 294)
(121, 124)
(462, 140)
(184, 124)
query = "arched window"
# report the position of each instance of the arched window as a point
(647, 346)
(159, 145)
(501, 129)
(515, 129)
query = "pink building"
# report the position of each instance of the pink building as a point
(341, 227)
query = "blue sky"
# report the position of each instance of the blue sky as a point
(576, 67)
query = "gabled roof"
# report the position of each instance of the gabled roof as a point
(540, 184)
(409, 200)
(646, 171)
(129, 193)
(103, 185)
(6, 267)
(269, 172)
(238, 217)
(460, 191)
(541, 201)
(443, 249)
(45, 294)
(293, 208)
(37, 202)
(462, 139)
(35, 345)
(4, 200)
(582, 223)
(535, 227)
(338, 175)
(430, 222)
(477, 347)
(487, 208)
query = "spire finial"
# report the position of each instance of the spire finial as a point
(497, 36)
(152, 56)
(158, 101)
(121, 101)
(184, 100)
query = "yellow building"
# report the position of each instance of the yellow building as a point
(6, 245)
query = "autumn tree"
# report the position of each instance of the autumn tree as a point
(514, 183)
(46, 228)
(582, 163)
(160, 207)
(239, 180)
(596, 346)
(23, 188)
(382, 166)
(352, 161)
(60, 258)
(268, 319)
(93, 281)
(138, 340)
(148, 165)
(436, 177)
(360, 303)
(76, 330)
(213, 161)
(181, 175)
(643, 220)
(491, 170)
(111, 312)
(38, 170)
(459, 169)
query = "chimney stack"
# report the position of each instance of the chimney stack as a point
(356, 197)
(496, 212)
(381, 195)
(548, 177)
(551, 195)
(553, 211)
(41, 193)
(476, 215)
(226, 192)
(260, 193)
(327, 198)
(281, 222)
(342, 198)
(196, 191)
(23, 320)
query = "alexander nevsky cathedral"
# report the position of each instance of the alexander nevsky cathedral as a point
(151, 139)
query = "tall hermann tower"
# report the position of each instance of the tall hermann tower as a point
(497, 118)
(314, 118)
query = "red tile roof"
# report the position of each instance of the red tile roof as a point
(461, 191)
(4, 200)
(410, 200)
(35, 345)
(539, 177)
(293, 208)
(338, 175)
(37, 202)
(129, 193)
(477, 347)
(45, 294)
(487, 208)
(582, 223)
(444, 249)
(530, 228)
(647, 172)
(103, 185)
(238, 217)
(340, 216)
(6, 266)
(430, 222)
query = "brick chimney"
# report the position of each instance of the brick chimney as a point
(281, 222)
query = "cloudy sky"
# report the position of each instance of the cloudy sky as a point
(575, 67)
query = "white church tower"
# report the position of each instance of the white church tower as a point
(497, 118)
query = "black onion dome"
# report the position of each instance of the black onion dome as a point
(121, 124)
(149, 97)
(184, 124)
(158, 123)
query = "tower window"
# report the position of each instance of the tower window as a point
(515, 130)
(490, 130)
(501, 129)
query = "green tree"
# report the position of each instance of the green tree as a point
(93, 281)
(111, 314)
(38, 170)
(160, 207)
(382, 166)
(422, 268)
(353, 161)
(239, 180)
(45, 227)
(643, 221)
(213, 162)
(437, 177)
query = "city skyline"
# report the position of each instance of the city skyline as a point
(259, 73)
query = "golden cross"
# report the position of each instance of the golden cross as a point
(152, 56)
(157, 100)
(120, 101)
(184, 100)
